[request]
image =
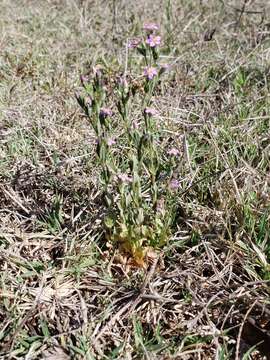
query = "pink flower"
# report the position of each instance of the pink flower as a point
(150, 26)
(125, 178)
(123, 81)
(123, 84)
(150, 111)
(174, 184)
(150, 72)
(135, 125)
(84, 79)
(153, 40)
(104, 112)
(133, 43)
(111, 141)
(173, 152)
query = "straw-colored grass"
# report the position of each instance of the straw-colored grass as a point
(64, 293)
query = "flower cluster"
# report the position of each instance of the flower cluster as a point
(173, 152)
(139, 201)
(133, 43)
(105, 112)
(150, 27)
(174, 184)
(153, 40)
(111, 141)
(150, 72)
(125, 178)
(150, 111)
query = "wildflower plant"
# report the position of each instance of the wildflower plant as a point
(139, 180)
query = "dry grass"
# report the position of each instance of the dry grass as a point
(64, 294)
